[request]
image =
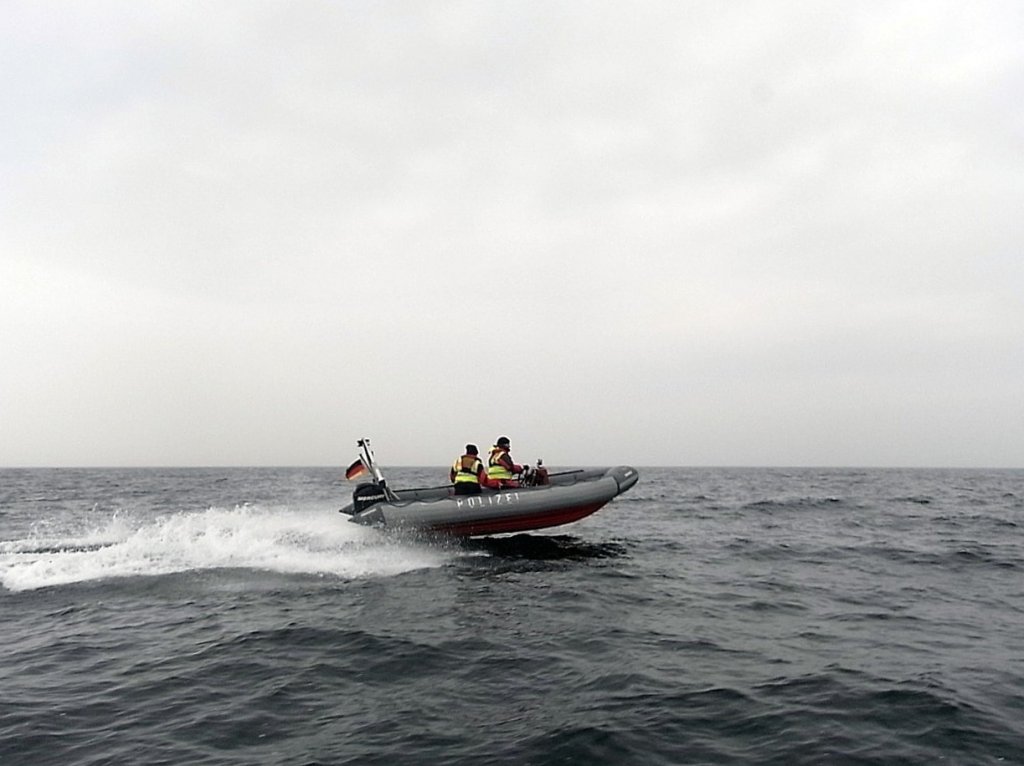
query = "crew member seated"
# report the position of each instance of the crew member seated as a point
(468, 472)
(535, 477)
(501, 470)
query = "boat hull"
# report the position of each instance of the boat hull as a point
(570, 497)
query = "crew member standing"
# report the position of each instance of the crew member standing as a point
(468, 472)
(500, 468)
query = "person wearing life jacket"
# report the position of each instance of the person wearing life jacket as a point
(500, 468)
(468, 472)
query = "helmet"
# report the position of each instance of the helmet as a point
(471, 449)
(503, 441)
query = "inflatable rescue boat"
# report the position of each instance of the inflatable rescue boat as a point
(565, 497)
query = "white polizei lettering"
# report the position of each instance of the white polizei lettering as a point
(505, 498)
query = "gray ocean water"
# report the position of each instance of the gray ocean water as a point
(709, 616)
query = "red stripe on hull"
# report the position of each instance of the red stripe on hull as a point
(521, 523)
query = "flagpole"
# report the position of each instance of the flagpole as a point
(371, 463)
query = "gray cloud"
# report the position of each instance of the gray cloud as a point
(761, 234)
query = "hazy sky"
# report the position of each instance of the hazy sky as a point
(678, 233)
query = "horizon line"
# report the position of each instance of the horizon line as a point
(339, 466)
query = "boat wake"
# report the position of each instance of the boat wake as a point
(270, 539)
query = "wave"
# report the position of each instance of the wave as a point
(541, 547)
(770, 504)
(271, 539)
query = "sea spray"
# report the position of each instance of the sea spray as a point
(274, 539)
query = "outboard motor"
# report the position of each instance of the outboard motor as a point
(367, 494)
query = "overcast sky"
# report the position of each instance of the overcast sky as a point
(679, 233)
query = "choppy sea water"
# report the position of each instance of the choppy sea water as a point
(709, 616)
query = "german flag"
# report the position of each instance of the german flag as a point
(356, 470)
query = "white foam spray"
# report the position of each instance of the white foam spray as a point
(277, 540)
